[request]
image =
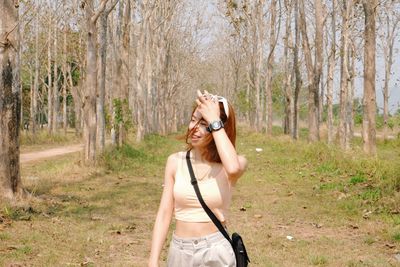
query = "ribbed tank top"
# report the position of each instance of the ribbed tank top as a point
(215, 189)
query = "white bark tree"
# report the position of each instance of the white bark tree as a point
(314, 69)
(390, 21)
(330, 74)
(369, 98)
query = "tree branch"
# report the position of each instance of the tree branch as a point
(99, 11)
(111, 7)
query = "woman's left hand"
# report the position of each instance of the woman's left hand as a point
(208, 106)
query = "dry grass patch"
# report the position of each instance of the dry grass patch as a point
(297, 205)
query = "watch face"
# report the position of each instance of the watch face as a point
(216, 125)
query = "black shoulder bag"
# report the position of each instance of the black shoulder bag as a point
(242, 260)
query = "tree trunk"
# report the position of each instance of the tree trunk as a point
(77, 98)
(268, 75)
(10, 97)
(331, 69)
(298, 82)
(101, 121)
(124, 90)
(369, 99)
(115, 93)
(49, 85)
(258, 43)
(56, 102)
(350, 96)
(313, 69)
(391, 27)
(149, 100)
(343, 128)
(90, 115)
(35, 87)
(65, 82)
(287, 88)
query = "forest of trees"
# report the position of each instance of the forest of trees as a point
(108, 67)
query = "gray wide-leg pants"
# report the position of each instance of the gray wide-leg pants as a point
(208, 251)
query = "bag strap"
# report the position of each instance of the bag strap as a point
(210, 214)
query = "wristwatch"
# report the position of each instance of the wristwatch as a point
(215, 126)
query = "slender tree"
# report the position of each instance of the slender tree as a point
(287, 87)
(330, 74)
(369, 98)
(390, 19)
(344, 129)
(314, 69)
(273, 39)
(296, 67)
(35, 87)
(103, 41)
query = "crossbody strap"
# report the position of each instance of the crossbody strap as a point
(210, 214)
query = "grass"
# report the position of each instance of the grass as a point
(340, 208)
(318, 260)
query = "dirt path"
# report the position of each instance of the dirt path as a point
(38, 155)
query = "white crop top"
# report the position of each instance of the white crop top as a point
(215, 189)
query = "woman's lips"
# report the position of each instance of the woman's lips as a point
(195, 137)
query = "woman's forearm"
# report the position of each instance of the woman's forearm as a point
(160, 231)
(227, 153)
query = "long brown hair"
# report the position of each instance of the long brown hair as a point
(208, 148)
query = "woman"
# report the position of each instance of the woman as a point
(196, 240)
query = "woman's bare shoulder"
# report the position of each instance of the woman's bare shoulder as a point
(174, 158)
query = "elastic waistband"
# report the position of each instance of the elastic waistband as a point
(198, 242)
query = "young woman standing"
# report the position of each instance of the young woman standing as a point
(196, 240)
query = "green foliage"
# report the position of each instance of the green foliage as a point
(358, 119)
(303, 111)
(332, 186)
(242, 102)
(124, 158)
(318, 260)
(379, 122)
(369, 240)
(373, 194)
(327, 167)
(379, 176)
(19, 213)
(75, 72)
(4, 236)
(391, 123)
(396, 236)
(122, 113)
(356, 179)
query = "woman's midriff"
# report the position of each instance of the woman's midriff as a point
(194, 229)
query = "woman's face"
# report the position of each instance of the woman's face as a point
(197, 126)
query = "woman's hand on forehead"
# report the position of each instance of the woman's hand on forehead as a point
(207, 106)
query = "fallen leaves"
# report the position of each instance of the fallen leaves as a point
(317, 225)
(353, 226)
(390, 245)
